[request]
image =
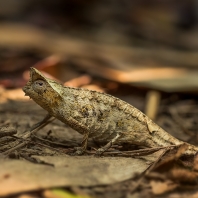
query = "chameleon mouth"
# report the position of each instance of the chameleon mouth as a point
(25, 90)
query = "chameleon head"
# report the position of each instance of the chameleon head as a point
(42, 90)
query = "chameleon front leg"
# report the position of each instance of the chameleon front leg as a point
(82, 149)
(108, 145)
(45, 119)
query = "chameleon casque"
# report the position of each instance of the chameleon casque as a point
(96, 115)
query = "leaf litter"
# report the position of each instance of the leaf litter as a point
(87, 173)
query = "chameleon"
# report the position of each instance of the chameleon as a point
(105, 118)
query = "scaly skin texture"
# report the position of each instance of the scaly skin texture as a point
(96, 115)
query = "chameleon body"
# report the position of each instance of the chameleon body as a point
(96, 115)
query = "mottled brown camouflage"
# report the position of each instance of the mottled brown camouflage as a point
(96, 115)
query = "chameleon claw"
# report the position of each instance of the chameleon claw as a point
(79, 151)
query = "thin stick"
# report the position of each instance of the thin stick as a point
(27, 134)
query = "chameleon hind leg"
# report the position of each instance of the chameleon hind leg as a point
(108, 145)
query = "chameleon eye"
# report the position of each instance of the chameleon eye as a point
(39, 86)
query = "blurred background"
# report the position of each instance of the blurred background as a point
(147, 43)
(144, 52)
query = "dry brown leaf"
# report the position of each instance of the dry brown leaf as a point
(169, 161)
(26, 196)
(183, 176)
(14, 94)
(79, 81)
(159, 187)
(19, 176)
(195, 166)
(131, 75)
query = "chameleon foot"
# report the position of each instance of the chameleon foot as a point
(99, 152)
(79, 151)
